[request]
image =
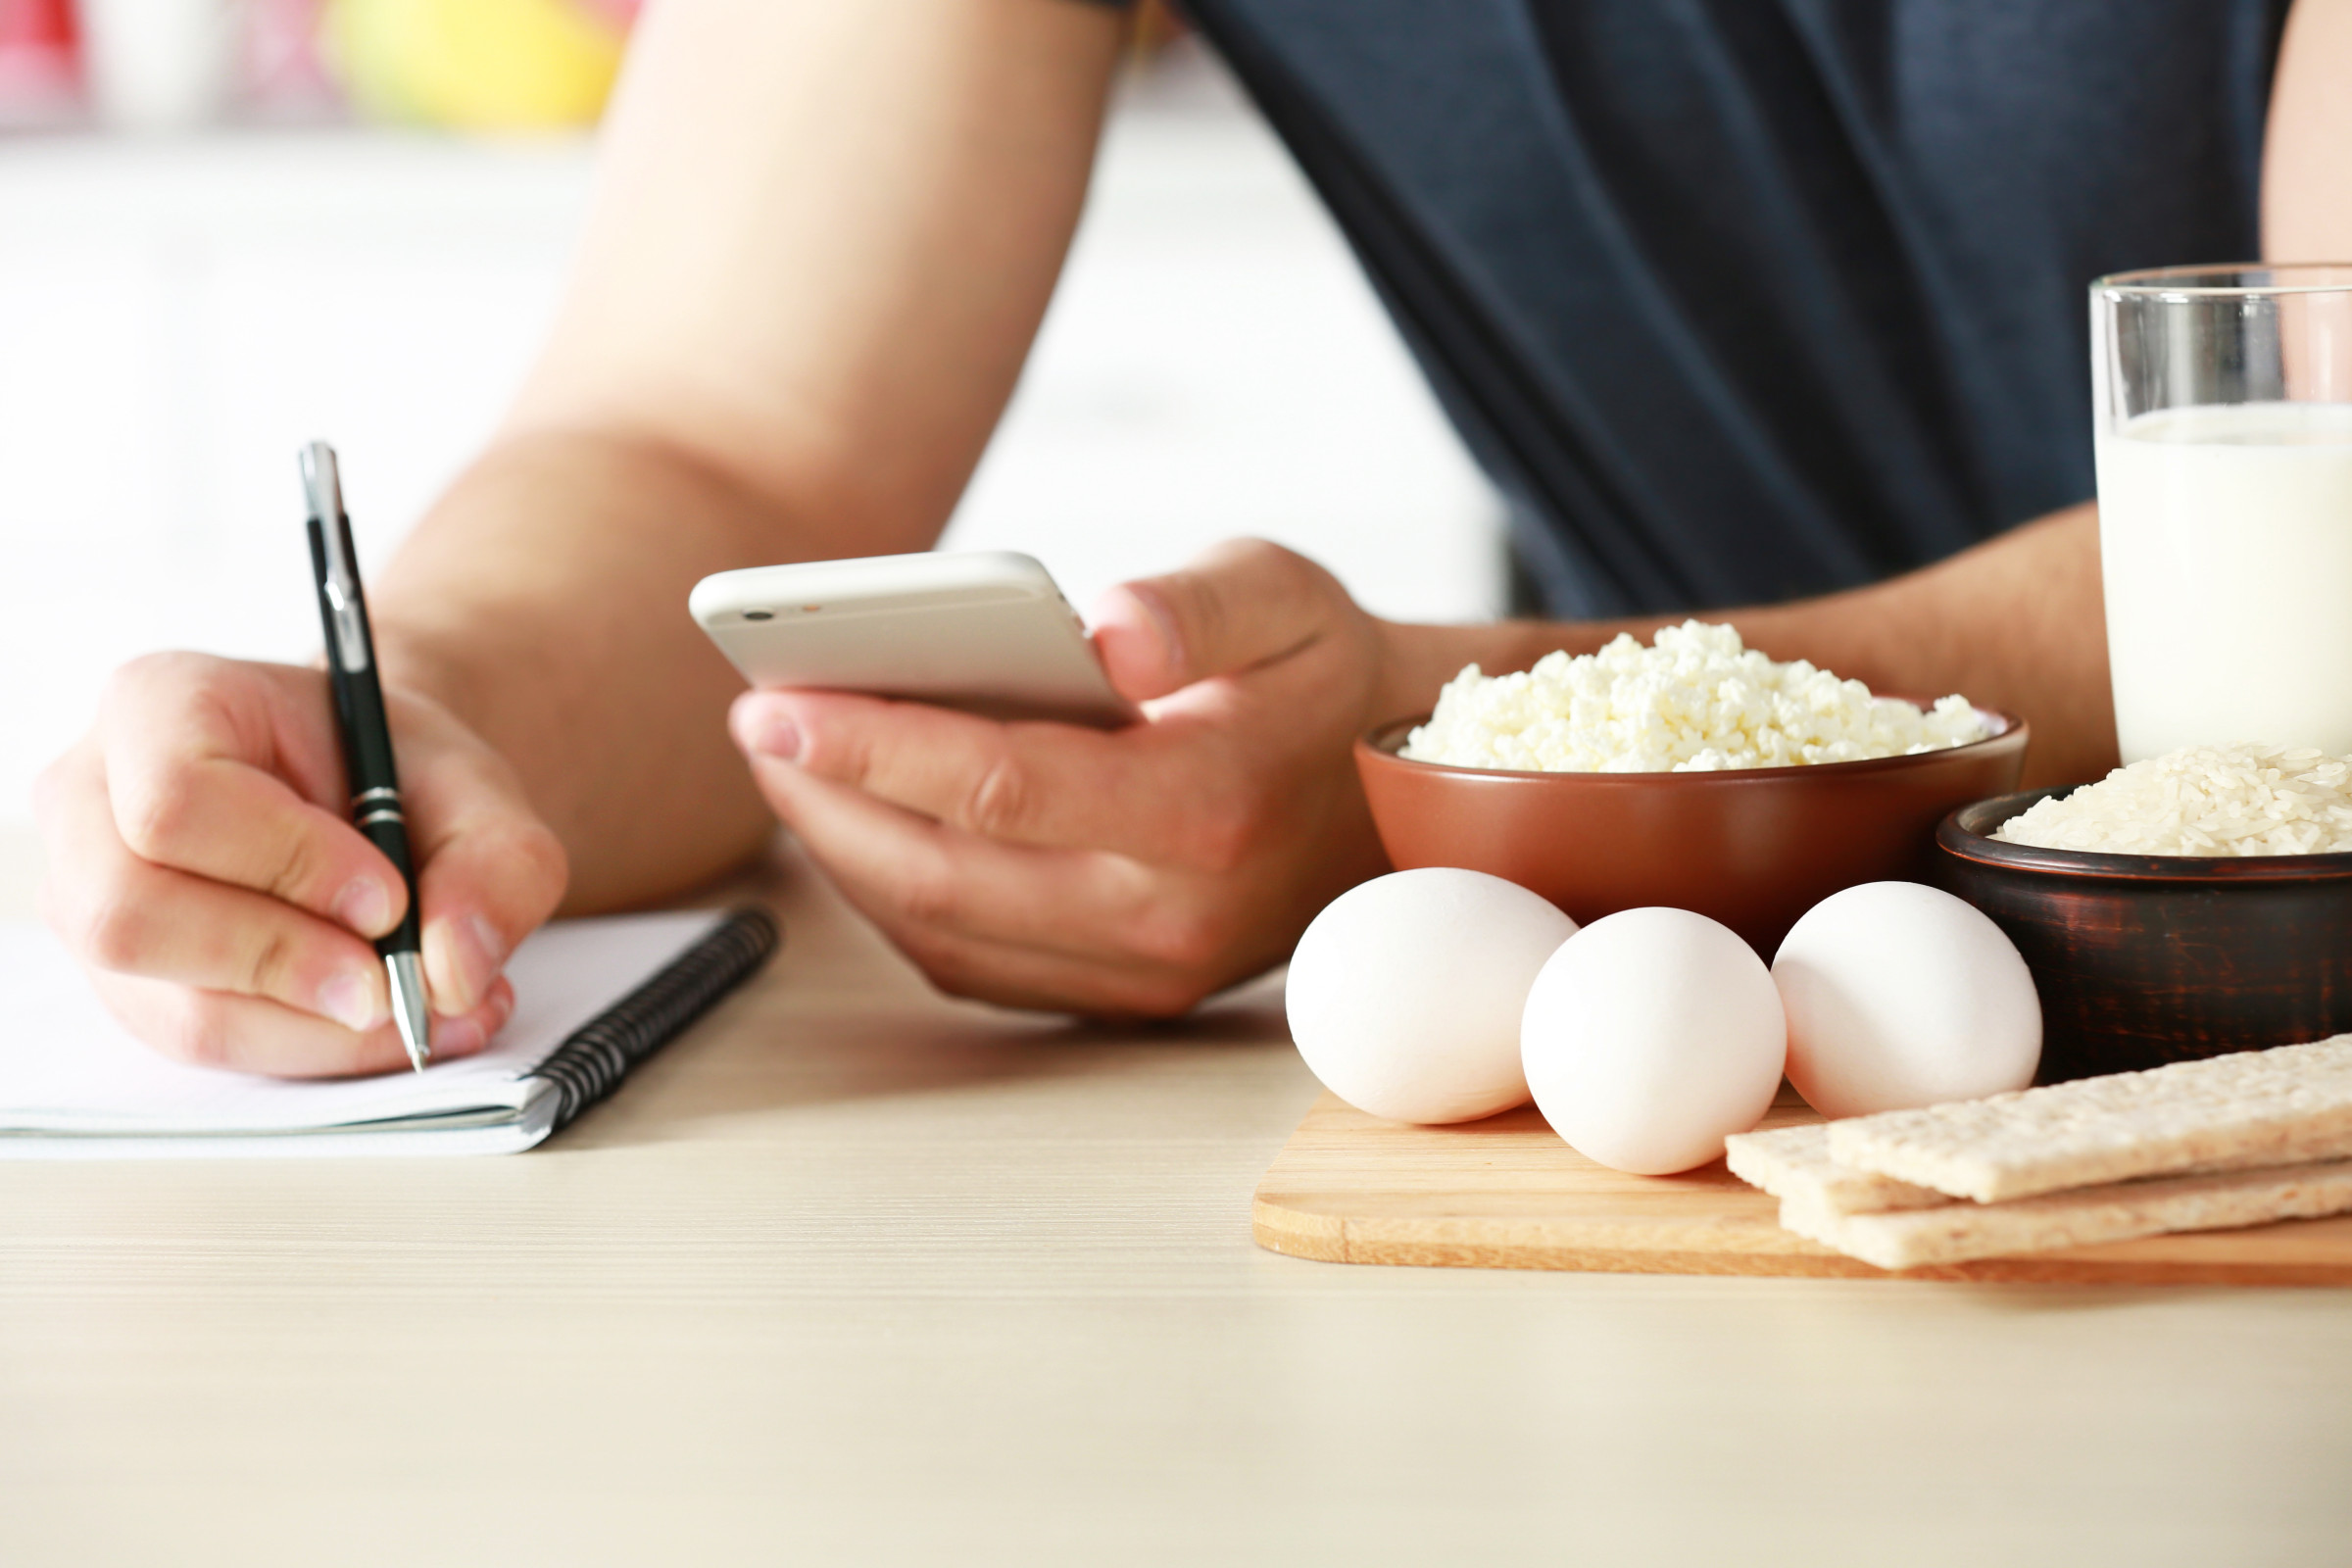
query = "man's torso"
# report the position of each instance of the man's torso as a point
(1744, 300)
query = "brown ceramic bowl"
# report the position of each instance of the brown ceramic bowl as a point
(2143, 959)
(1754, 847)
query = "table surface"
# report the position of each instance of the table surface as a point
(854, 1274)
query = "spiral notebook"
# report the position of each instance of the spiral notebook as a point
(592, 999)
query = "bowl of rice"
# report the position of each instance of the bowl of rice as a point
(1692, 772)
(2187, 905)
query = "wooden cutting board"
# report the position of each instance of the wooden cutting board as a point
(1506, 1193)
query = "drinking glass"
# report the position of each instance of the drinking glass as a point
(2223, 422)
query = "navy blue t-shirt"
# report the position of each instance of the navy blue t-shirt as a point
(1746, 300)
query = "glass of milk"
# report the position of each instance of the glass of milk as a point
(2224, 429)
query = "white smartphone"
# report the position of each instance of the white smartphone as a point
(985, 631)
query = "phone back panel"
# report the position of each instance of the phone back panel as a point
(988, 634)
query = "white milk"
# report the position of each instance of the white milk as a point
(2226, 538)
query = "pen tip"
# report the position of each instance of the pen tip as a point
(408, 1010)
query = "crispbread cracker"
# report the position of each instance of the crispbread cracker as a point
(2287, 1105)
(1958, 1232)
(1795, 1163)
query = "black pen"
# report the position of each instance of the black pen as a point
(367, 737)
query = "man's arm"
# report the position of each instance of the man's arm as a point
(2307, 155)
(822, 238)
(2015, 624)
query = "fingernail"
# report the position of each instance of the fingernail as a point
(489, 952)
(777, 736)
(1163, 621)
(349, 998)
(365, 906)
(767, 728)
(461, 959)
(457, 1036)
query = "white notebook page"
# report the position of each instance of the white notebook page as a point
(68, 1071)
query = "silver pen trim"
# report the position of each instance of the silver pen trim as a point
(322, 489)
(408, 1006)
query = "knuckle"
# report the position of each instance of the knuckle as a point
(148, 672)
(1294, 585)
(298, 868)
(1258, 555)
(841, 752)
(1267, 562)
(1165, 998)
(193, 1030)
(111, 929)
(1182, 941)
(950, 969)
(1302, 587)
(1219, 839)
(543, 860)
(51, 785)
(927, 895)
(152, 808)
(154, 680)
(950, 978)
(270, 967)
(1000, 801)
(527, 859)
(1133, 996)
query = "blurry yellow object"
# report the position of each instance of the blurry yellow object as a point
(475, 64)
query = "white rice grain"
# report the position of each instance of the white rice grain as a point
(2202, 801)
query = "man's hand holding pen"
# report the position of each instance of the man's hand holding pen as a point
(204, 867)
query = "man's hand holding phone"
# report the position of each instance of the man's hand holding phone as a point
(1121, 873)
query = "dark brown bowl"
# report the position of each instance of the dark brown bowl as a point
(1754, 847)
(2143, 959)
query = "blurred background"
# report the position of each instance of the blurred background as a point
(228, 226)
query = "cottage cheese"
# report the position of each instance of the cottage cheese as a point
(1698, 701)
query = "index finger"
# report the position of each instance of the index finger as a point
(1141, 791)
(202, 764)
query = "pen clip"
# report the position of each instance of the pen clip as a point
(323, 487)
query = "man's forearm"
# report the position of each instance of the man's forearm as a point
(822, 240)
(543, 600)
(2015, 624)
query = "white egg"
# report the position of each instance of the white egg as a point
(1900, 995)
(1651, 1037)
(1404, 994)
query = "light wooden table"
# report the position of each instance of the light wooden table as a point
(852, 1275)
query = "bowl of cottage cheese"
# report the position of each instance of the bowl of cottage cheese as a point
(1691, 771)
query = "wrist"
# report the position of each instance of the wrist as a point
(425, 666)
(1417, 659)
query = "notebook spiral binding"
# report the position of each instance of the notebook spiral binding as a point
(591, 1063)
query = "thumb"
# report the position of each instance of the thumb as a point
(1243, 604)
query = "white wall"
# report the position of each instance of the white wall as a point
(175, 318)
